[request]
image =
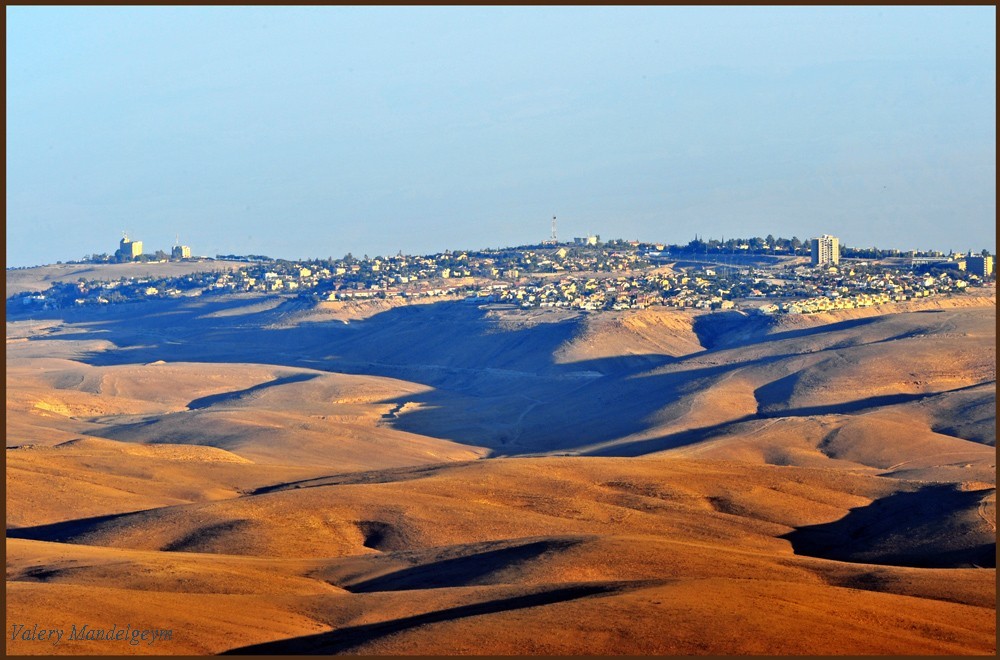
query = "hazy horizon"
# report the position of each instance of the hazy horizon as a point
(316, 131)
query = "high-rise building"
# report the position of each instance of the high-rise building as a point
(825, 250)
(980, 265)
(180, 252)
(129, 249)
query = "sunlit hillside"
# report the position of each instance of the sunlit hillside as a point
(262, 476)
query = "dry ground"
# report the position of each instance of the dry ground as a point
(269, 477)
(42, 277)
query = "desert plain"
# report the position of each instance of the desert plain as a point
(269, 475)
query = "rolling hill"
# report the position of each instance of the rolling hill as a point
(270, 476)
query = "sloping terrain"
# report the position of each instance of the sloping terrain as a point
(42, 277)
(260, 475)
(435, 559)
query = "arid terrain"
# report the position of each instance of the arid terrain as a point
(266, 475)
(40, 278)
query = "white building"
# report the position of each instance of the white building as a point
(825, 250)
(980, 265)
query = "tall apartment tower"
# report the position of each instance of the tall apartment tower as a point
(129, 249)
(180, 251)
(825, 250)
(980, 265)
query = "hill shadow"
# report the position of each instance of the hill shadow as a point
(68, 529)
(700, 434)
(390, 475)
(467, 354)
(724, 329)
(464, 570)
(917, 529)
(431, 342)
(213, 399)
(345, 639)
(494, 381)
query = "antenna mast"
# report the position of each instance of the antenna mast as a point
(554, 239)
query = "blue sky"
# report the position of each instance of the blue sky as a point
(316, 131)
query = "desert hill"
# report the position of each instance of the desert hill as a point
(521, 497)
(394, 561)
(40, 278)
(266, 475)
(493, 368)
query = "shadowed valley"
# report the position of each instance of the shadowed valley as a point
(266, 475)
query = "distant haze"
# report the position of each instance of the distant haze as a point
(316, 131)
